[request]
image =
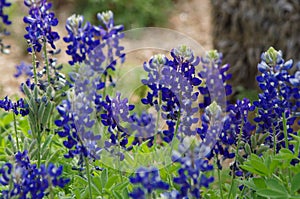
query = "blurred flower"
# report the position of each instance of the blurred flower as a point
(215, 76)
(148, 180)
(25, 69)
(4, 17)
(17, 107)
(26, 180)
(76, 120)
(142, 128)
(111, 35)
(191, 174)
(39, 24)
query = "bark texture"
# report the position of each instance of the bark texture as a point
(243, 29)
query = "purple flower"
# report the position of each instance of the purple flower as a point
(278, 97)
(17, 107)
(29, 181)
(39, 24)
(215, 74)
(82, 38)
(148, 180)
(25, 69)
(191, 174)
(4, 17)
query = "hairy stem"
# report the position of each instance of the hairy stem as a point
(88, 177)
(16, 131)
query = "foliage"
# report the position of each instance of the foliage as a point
(147, 13)
(73, 136)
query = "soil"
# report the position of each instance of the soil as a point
(190, 18)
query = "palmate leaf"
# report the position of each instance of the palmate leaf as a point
(295, 183)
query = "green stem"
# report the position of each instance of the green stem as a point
(236, 154)
(39, 148)
(88, 176)
(34, 66)
(274, 141)
(219, 179)
(158, 114)
(16, 131)
(284, 120)
(46, 61)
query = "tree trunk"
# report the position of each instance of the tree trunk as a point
(243, 29)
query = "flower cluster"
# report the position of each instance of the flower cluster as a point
(81, 38)
(5, 22)
(76, 122)
(149, 180)
(276, 104)
(40, 22)
(25, 69)
(143, 128)
(85, 44)
(25, 180)
(4, 17)
(111, 35)
(191, 175)
(17, 107)
(171, 83)
(215, 75)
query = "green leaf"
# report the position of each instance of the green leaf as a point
(41, 110)
(295, 182)
(104, 177)
(274, 184)
(259, 183)
(47, 113)
(47, 142)
(111, 181)
(270, 193)
(117, 195)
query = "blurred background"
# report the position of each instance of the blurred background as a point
(241, 30)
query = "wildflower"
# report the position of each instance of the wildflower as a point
(4, 17)
(148, 180)
(17, 107)
(82, 38)
(78, 116)
(191, 174)
(39, 24)
(24, 68)
(276, 103)
(142, 127)
(215, 74)
(115, 115)
(111, 35)
(27, 180)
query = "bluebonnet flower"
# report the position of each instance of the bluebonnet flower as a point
(191, 174)
(276, 103)
(5, 22)
(39, 24)
(76, 122)
(215, 75)
(18, 107)
(4, 17)
(26, 180)
(171, 83)
(116, 114)
(148, 180)
(25, 69)
(82, 38)
(143, 128)
(111, 35)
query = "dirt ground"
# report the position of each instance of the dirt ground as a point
(190, 18)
